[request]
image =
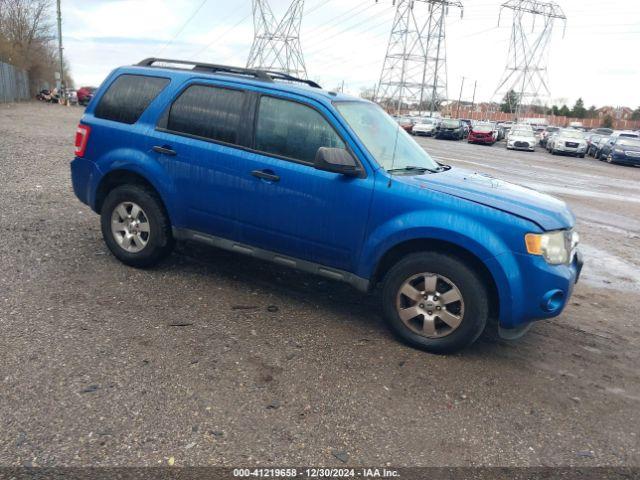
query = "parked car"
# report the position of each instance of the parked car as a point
(451, 129)
(623, 150)
(72, 97)
(483, 133)
(568, 141)
(623, 134)
(603, 131)
(596, 145)
(467, 124)
(271, 166)
(425, 126)
(521, 139)
(405, 123)
(590, 137)
(548, 131)
(85, 94)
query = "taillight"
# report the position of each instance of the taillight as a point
(82, 137)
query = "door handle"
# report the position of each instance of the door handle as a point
(263, 175)
(164, 150)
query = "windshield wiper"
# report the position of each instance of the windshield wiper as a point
(411, 168)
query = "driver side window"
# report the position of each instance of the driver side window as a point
(290, 129)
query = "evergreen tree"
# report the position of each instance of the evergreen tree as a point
(578, 109)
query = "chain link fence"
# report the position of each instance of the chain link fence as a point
(14, 84)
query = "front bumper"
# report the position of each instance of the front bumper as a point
(483, 140)
(626, 160)
(449, 134)
(570, 150)
(532, 289)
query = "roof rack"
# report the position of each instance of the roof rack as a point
(263, 75)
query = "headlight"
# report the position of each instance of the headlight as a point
(556, 247)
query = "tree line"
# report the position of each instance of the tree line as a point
(512, 99)
(28, 40)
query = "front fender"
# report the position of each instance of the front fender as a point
(461, 230)
(143, 164)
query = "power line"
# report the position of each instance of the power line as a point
(181, 29)
(222, 35)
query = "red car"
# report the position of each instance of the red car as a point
(85, 94)
(405, 123)
(484, 134)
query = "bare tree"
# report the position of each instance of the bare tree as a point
(27, 37)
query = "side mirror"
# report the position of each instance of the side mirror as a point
(336, 160)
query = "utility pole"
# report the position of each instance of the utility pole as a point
(414, 67)
(460, 99)
(60, 50)
(526, 70)
(473, 100)
(276, 45)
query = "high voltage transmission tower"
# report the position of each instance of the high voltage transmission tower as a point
(526, 72)
(415, 66)
(276, 45)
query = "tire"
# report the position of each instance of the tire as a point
(609, 159)
(159, 240)
(473, 309)
(582, 155)
(554, 151)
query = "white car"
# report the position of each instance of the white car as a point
(568, 141)
(521, 139)
(425, 126)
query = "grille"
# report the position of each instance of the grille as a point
(632, 154)
(522, 144)
(572, 144)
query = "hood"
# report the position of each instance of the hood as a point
(521, 138)
(628, 148)
(561, 138)
(546, 211)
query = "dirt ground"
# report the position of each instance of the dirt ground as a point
(217, 359)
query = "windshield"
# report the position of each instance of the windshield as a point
(573, 134)
(425, 121)
(388, 144)
(552, 129)
(629, 142)
(450, 123)
(483, 128)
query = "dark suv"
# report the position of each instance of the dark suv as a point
(451, 129)
(272, 166)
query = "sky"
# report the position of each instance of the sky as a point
(596, 57)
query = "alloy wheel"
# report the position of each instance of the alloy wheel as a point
(130, 227)
(430, 305)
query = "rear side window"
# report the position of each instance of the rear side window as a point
(293, 130)
(128, 97)
(208, 112)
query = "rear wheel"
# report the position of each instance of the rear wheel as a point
(135, 226)
(435, 302)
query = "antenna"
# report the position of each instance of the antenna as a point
(526, 70)
(415, 66)
(276, 45)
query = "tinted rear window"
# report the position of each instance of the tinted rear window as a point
(208, 112)
(128, 96)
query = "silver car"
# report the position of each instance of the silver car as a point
(521, 139)
(568, 141)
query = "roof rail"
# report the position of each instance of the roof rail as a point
(263, 75)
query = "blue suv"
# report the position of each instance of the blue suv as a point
(272, 166)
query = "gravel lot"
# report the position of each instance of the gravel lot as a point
(216, 359)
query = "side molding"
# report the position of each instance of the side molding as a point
(361, 284)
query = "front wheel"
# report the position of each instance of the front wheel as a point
(435, 302)
(135, 226)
